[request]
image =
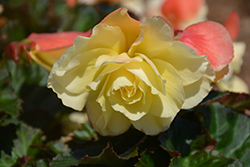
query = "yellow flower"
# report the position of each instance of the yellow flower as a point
(131, 73)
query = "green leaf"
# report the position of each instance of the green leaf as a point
(86, 133)
(26, 136)
(26, 73)
(64, 160)
(9, 101)
(58, 147)
(167, 144)
(6, 160)
(231, 130)
(183, 130)
(145, 161)
(243, 153)
(107, 158)
(206, 158)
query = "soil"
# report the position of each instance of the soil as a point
(219, 10)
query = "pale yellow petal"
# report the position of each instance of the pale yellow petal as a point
(132, 111)
(121, 58)
(169, 104)
(108, 123)
(198, 90)
(75, 101)
(79, 71)
(128, 25)
(185, 60)
(145, 72)
(152, 125)
(156, 34)
(133, 107)
(47, 58)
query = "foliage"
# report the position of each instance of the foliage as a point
(33, 119)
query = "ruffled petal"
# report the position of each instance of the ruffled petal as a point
(169, 104)
(136, 109)
(128, 25)
(198, 90)
(145, 72)
(157, 33)
(185, 60)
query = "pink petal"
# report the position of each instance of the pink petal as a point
(232, 24)
(49, 41)
(211, 39)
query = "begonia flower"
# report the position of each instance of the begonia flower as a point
(131, 73)
(44, 48)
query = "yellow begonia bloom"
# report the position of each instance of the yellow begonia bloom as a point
(131, 73)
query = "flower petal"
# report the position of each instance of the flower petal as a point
(198, 90)
(145, 72)
(152, 125)
(156, 34)
(49, 41)
(47, 58)
(185, 60)
(108, 123)
(211, 39)
(169, 104)
(129, 26)
(135, 110)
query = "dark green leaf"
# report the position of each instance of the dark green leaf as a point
(206, 158)
(64, 160)
(167, 144)
(183, 130)
(243, 153)
(107, 158)
(146, 160)
(9, 101)
(231, 130)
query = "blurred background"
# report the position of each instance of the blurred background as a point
(20, 18)
(218, 11)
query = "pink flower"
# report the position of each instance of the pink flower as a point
(43, 48)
